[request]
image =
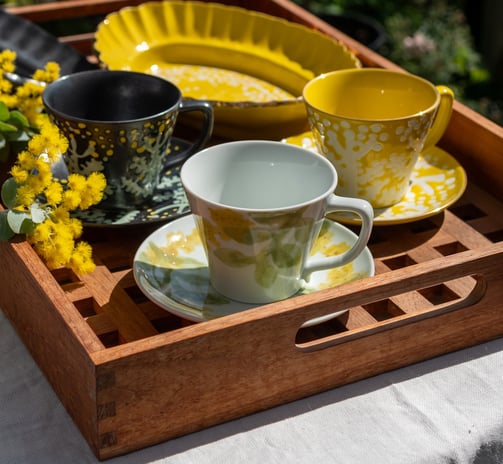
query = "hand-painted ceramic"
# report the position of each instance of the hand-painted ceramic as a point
(259, 205)
(169, 201)
(437, 181)
(372, 124)
(120, 123)
(252, 66)
(171, 269)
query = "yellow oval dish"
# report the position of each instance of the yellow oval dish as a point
(250, 65)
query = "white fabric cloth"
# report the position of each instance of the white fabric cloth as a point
(446, 410)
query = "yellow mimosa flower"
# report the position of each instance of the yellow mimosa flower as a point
(48, 200)
(54, 193)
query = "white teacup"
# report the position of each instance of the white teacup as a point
(259, 206)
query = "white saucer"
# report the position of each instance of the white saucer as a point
(170, 268)
(437, 181)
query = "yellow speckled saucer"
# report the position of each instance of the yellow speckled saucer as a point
(171, 269)
(437, 181)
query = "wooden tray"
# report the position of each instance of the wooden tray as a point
(132, 375)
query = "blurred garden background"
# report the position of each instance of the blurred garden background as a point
(458, 43)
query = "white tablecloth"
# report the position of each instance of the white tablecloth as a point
(446, 410)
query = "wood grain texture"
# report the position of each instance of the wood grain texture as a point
(250, 361)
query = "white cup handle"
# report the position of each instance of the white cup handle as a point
(336, 203)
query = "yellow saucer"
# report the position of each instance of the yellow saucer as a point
(437, 181)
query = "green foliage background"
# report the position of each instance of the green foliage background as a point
(433, 39)
(448, 56)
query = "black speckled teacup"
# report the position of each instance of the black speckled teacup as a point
(120, 123)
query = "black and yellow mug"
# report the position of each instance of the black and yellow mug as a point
(121, 123)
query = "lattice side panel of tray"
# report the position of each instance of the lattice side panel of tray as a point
(118, 312)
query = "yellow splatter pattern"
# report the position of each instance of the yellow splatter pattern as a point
(211, 83)
(174, 254)
(437, 181)
(327, 245)
(374, 160)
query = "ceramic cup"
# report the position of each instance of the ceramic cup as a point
(372, 124)
(259, 206)
(121, 123)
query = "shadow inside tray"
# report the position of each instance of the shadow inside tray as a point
(394, 239)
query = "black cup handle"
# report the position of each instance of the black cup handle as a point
(205, 133)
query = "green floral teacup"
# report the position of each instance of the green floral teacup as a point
(121, 123)
(259, 206)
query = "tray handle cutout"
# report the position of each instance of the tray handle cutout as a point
(466, 280)
(386, 314)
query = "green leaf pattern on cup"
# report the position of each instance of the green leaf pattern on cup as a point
(234, 257)
(286, 255)
(266, 273)
(271, 242)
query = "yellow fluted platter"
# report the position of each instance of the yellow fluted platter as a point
(251, 66)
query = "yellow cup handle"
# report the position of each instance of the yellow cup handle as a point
(442, 117)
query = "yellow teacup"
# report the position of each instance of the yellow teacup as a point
(372, 124)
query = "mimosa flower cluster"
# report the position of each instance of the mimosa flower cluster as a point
(38, 204)
(26, 98)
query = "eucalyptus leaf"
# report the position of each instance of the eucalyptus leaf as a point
(38, 214)
(9, 190)
(28, 227)
(20, 222)
(5, 231)
(4, 112)
(7, 127)
(22, 137)
(19, 119)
